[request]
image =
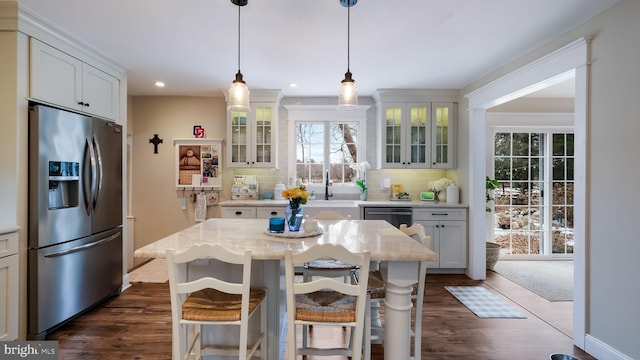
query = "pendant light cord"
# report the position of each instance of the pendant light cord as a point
(348, 34)
(239, 37)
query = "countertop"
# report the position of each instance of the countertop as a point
(343, 203)
(385, 242)
(9, 230)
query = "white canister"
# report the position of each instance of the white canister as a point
(277, 191)
(453, 194)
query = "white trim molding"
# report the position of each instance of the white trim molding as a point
(570, 61)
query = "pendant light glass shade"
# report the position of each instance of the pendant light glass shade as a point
(239, 91)
(348, 94)
(239, 95)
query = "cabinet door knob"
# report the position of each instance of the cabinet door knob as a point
(274, 213)
(86, 104)
(80, 103)
(238, 212)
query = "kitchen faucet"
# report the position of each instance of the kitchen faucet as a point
(326, 188)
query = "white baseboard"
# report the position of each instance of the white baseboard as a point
(601, 350)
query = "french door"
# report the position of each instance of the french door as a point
(533, 207)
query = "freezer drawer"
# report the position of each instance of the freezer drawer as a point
(67, 279)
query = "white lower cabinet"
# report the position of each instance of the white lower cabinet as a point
(9, 287)
(265, 212)
(448, 230)
(239, 212)
(269, 212)
(249, 212)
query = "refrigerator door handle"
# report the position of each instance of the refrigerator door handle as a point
(82, 247)
(92, 157)
(98, 178)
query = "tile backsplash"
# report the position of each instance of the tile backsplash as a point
(413, 181)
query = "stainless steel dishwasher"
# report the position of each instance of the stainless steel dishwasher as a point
(393, 215)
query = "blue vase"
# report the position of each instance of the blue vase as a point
(294, 214)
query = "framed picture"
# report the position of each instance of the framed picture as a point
(198, 163)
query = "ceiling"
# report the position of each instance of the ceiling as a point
(192, 45)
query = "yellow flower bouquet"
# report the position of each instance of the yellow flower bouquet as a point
(297, 196)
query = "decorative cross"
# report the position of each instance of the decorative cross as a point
(155, 140)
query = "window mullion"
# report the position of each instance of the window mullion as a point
(327, 146)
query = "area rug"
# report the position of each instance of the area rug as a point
(155, 271)
(483, 302)
(553, 280)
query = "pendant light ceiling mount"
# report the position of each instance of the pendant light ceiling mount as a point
(348, 95)
(239, 91)
(348, 3)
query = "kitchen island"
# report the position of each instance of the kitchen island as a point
(399, 254)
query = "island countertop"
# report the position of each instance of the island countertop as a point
(382, 240)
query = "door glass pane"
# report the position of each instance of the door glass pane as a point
(263, 134)
(441, 129)
(562, 198)
(394, 134)
(502, 146)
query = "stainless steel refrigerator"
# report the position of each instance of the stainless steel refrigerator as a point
(75, 215)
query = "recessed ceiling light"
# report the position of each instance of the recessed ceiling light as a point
(293, 85)
(159, 84)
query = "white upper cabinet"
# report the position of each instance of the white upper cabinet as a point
(415, 134)
(60, 79)
(100, 92)
(252, 135)
(443, 120)
(405, 132)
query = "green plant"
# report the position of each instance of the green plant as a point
(491, 184)
(361, 185)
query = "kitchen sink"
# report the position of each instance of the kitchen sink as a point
(342, 207)
(331, 203)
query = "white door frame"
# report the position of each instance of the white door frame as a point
(570, 61)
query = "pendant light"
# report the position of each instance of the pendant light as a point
(348, 95)
(239, 91)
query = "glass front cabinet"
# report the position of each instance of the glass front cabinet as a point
(417, 135)
(252, 136)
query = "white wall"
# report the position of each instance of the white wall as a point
(156, 205)
(613, 174)
(612, 315)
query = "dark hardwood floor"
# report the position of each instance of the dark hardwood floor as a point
(137, 325)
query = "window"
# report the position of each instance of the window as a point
(319, 143)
